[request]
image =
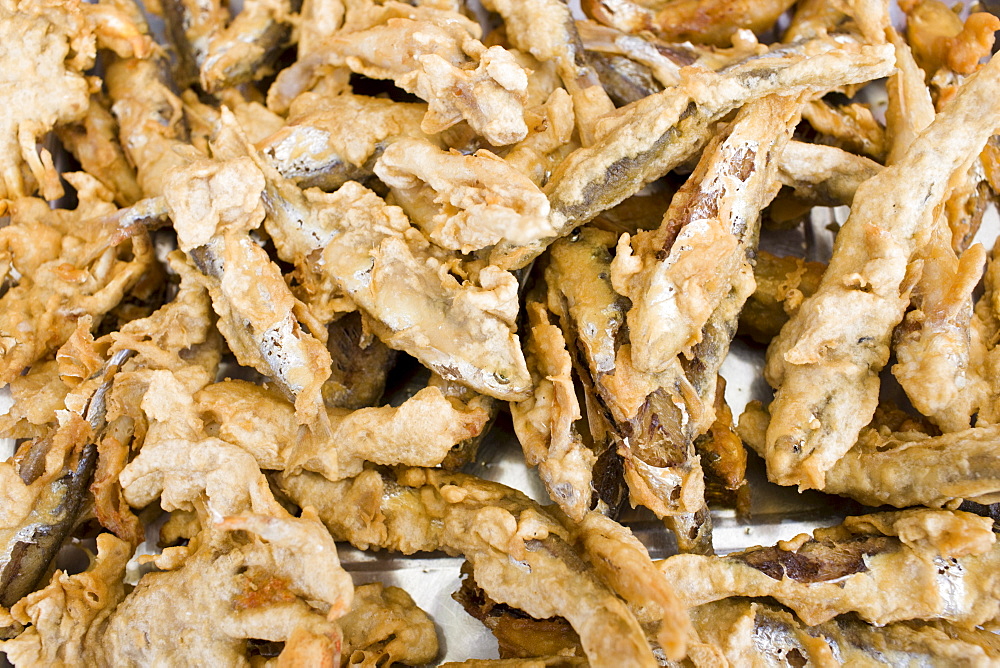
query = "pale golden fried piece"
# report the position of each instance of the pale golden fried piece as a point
(754, 632)
(940, 39)
(544, 423)
(782, 284)
(214, 204)
(825, 362)
(902, 463)
(150, 118)
(546, 30)
(47, 47)
(549, 140)
(463, 202)
(442, 63)
(94, 143)
(385, 627)
(852, 127)
(907, 565)
(705, 22)
(677, 276)
(278, 579)
(823, 175)
(368, 249)
(495, 528)
(330, 140)
(419, 432)
(623, 562)
(667, 128)
(937, 350)
(69, 616)
(66, 270)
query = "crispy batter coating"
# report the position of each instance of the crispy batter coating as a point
(852, 127)
(67, 269)
(463, 202)
(442, 63)
(544, 423)
(330, 140)
(385, 627)
(711, 22)
(678, 275)
(758, 633)
(369, 250)
(94, 143)
(667, 128)
(824, 363)
(279, 578)
(907, 565)
(900, 462)
(495, 528)
(419, 432)
(546, 30)
(940, 39)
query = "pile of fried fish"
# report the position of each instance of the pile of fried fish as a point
(222, 243)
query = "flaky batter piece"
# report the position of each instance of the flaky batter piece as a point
(823, 175)
(462, 330)
(150, 117)
(940, 39)
(214, 204)
(545, 423)
(67, 269)
(385, 627)
(463, 202)
(907, 565)
(270, 579)
(47, 48)
(852, 127)
(678, 275)
(69, 616)
(496, 529)
(667, 128)
(441, 62)
(748, 632)
(93, 141)
(549, 139)
(546, 30)
(712, 22)
(825, 362)
(419, 432)
(900, 462)
(938, 352)
(782, 283)
(330, 140)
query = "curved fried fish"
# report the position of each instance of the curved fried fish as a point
(667, 128)
(825, 363)
(907, 565)
(497, 529)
